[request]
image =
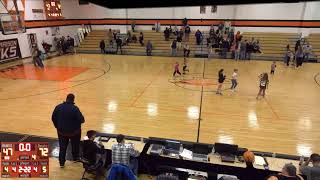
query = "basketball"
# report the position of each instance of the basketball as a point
(248, 156)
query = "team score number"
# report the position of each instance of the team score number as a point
(44, 151)
(7, 151)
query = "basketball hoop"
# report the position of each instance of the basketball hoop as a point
(11, 25)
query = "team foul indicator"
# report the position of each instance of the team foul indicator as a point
(25, 159)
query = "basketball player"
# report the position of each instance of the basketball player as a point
(221, 79)
(176, 69)
(234, 80)
(264, 81)
(185, 67)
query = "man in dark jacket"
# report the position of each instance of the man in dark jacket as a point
(67, 119)
(119, 44)
(102, 47)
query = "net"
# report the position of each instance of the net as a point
(10, 24)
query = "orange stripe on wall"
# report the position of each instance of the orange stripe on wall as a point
(257, 23)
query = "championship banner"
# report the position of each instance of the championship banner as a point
(9, 50)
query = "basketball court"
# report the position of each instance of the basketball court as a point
(137, 96)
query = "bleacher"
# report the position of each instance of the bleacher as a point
(314, 40)
(272, 45)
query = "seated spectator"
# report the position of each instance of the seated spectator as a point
(198, 35)
(149, 48)
(186, 50)
(250, 172)
(94, 152)
(312, 173)
(120, 172)
(289, 172)
(141, 39)
(256, 46)
(134, 38)
(125, 154)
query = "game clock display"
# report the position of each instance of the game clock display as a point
(24, 159)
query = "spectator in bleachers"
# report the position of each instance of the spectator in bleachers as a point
(220, 26)
(231, 35)
(312, 173)
(249, 49)
(134, 38)
(141, 39)
(238, 37)
(243, 49)
(256, 46)
(157, 26)
(186, 50)
(119, 45)
(170, 30)
(115, 33)
(237, 51)
(174, 48)
(129, 37)
(133, 25)
(187, 32)
(175, 30)
(110, 34)
(166, 33)
(299, 56)
(298, 43)
(307, 50)
(102, 47)
(94, 152)
(224, 48)
(289, 172)
(198, 35)
(185, 22)
(288, 55)
(149, 48)
(125, 154)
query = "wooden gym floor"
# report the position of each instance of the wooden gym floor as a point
(138, 96)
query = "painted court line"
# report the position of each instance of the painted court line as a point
(144, 89)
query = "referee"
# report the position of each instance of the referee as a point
(67, 119)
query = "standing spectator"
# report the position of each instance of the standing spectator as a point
(225, 47)
(119, 44)
(110, 34)
(102, 47)
(67, 119)
(115, 33)
(299, 56)
(221, 78)
(129, 37)
(149, 48)
(288, 55)
(185, 22)
(243, 49)
(231, 35)
(157, 26)
(289, 172)
(220, 26)
(186, 50)
(198, 35)
(133, 25)
(187, 32)
(125, 154)
(298, 43)
(174, 48)
(141, 39)
(249, 49)
(237, 51)
(166, 33)
(312, 173)
(307, 49)
(238, 37)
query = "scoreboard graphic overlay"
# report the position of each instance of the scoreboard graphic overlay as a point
(24, 159)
